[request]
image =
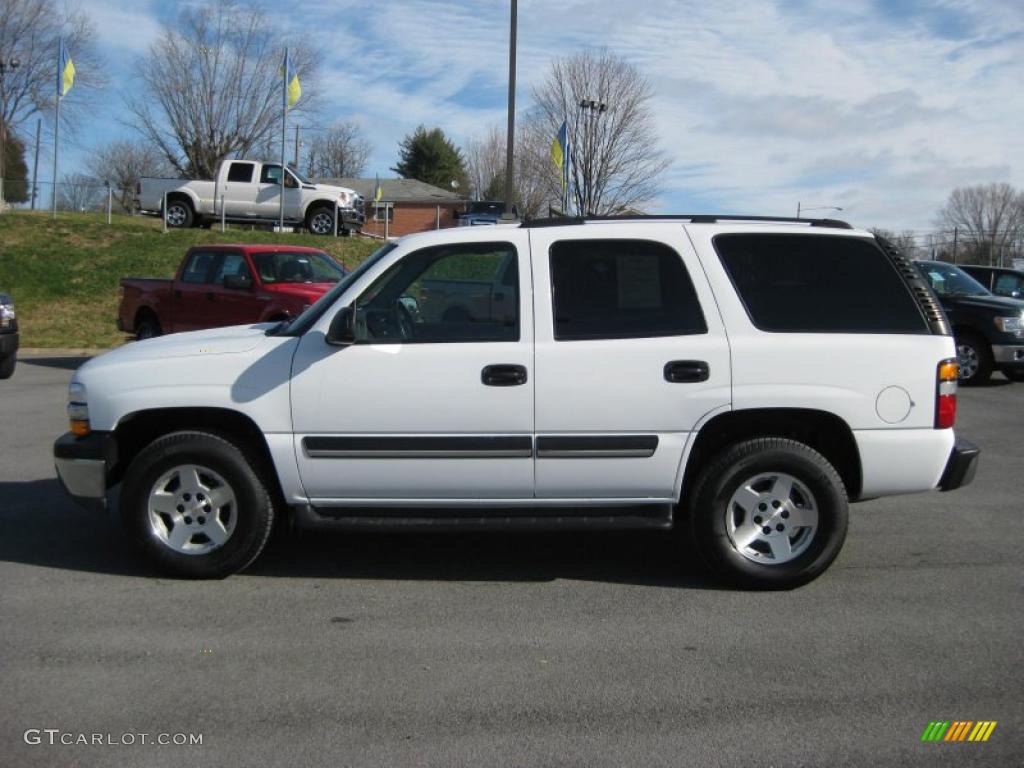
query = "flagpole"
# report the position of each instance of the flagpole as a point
(56, 143)
(284, 129)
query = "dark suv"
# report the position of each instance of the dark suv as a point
(1000, 280)
(8, 337)
(989, 329)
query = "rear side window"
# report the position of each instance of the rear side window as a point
(620, 289)
(240, 172)
(1008, 285)
(818, 284)
(198, 268)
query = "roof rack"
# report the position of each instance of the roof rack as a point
(698, 218)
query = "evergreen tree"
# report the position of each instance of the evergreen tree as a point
(15, 170)
(430, 157)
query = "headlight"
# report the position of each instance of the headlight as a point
(6, 315)
(78, 409)
(1010, 324)
(344, 199)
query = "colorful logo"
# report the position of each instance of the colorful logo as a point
(958, 730)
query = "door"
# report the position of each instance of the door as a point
(234, 306)
(194, 305)
(427, 406)
(268, 194)
(631, 354)
(239, 191)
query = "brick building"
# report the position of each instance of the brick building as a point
(410, 205)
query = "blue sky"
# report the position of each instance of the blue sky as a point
(878, 107)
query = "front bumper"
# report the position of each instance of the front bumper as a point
(83, 465)
(961, 466)
(8, 344)
(1008, 355)
(351, 218)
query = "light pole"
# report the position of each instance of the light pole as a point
(6, 65)
(596, 109)
(816, 208)
(510, 139)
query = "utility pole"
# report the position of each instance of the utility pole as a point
(511, 137)
(956, 231)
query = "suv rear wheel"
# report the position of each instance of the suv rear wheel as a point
(769, 513)
(196, 505)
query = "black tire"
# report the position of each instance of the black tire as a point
(7, 365)
(316, 224)
(147, 327)
(975, 357)
(179, 213)
(752, 567)
(1013, 375)
(252, 520)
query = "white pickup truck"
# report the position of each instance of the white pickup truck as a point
(250, 191)
(741, 379)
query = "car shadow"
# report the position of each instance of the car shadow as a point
(40, 526)
(65, 363)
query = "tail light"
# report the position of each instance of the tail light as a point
(945, 393)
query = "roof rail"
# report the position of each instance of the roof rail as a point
(693, 218)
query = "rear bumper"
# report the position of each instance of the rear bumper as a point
(83, 464)
(961, 466)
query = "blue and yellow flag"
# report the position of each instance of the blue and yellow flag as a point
(292, 87)
(378, 193)
(560, 152)
(65, 71)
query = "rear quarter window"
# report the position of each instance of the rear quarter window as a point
(818, 284)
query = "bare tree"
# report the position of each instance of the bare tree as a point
(905, 241)
(79, 192)
(211, 86)
(123, 163)
(485, 165)
(485, 160)
(340, 152)
(29, 32)
(989, 220)
(615, 158)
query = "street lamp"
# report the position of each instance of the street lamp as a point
(816, 208)
(6, 65)
(596, 109)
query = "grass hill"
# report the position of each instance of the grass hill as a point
(63, 273)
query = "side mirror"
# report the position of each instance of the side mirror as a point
(342, 332)
(238, 282)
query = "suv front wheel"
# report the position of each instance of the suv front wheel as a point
(769, 513)
(196, 505)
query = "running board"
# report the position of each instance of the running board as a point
(647, 516)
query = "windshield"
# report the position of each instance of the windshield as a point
(947, 280)
(297, 267)
(295, 172)
(305, 321)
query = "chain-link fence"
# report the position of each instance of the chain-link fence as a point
(72, 196)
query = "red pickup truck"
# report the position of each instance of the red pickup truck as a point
(220, 285)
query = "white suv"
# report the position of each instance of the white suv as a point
(741, 378)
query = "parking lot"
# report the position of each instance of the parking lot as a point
(567, 649)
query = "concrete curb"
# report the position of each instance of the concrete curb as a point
(60, 352)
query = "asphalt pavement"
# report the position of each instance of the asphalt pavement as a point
(493, 649)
